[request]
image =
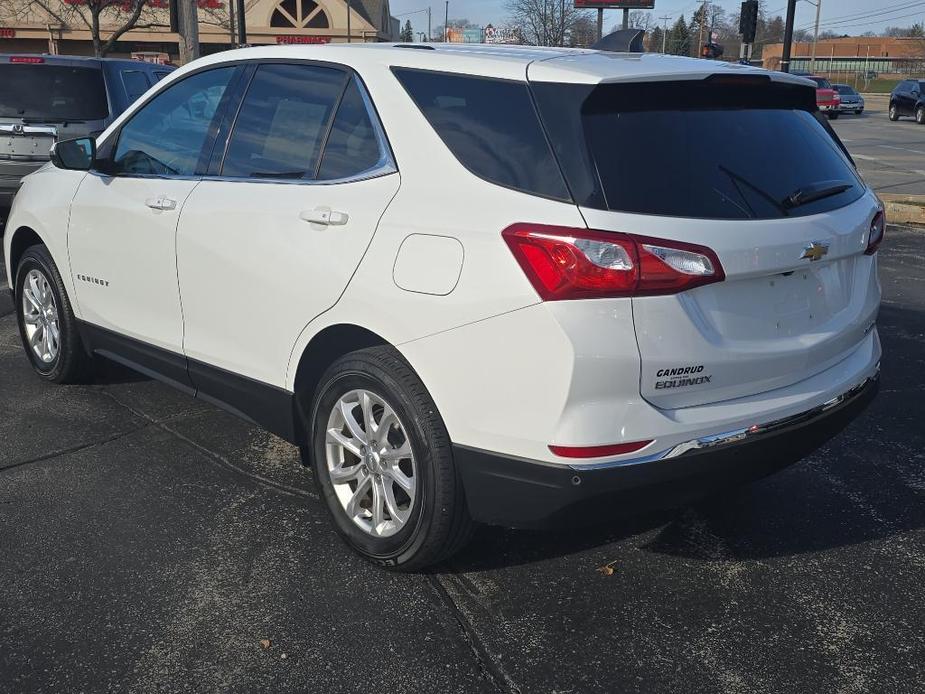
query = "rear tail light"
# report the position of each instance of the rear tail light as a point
(566, 263)
(875, 237)
(31, 59)
(598, 451)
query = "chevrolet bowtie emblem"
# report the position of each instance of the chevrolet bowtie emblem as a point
(815, 251)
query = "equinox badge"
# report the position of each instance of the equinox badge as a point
(815, 251)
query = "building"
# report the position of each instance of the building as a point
(63, 28)
(856, 54)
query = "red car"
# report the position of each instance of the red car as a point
(827, 98)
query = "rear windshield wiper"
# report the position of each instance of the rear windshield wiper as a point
(815, 191)
(758, 189)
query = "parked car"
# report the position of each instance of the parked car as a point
(827, 98)
(851, 101)
(908, 99)
(44, 98)
(470, 294)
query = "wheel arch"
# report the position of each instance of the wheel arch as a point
(328, 345)
(21, 239)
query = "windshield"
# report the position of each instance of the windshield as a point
(52, 93)
(699, 150)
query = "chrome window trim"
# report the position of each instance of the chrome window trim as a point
(734, 436)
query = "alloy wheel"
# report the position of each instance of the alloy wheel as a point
(371, 463)
(40, 317)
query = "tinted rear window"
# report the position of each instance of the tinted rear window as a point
(821, 82)
(491, 127)
(845, 89)
(52, 92)
(698, 150)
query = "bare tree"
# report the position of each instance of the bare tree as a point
(544, 22)
(106, 20)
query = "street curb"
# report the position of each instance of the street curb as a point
(904, 209)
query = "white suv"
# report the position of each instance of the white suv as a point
(508, 285)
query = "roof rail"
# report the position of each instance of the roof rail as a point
(622, 41)
(418, 46)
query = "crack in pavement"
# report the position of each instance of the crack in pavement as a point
(494, 672)
(213, 455)
(74, 449)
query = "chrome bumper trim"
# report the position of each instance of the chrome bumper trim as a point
(734, 436)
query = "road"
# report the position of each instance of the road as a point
(890, 156)
(149, 542)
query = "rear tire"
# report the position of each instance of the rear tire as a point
(833, 115)
(894, 113)
(47, 325)
(398, 498)
(859, 112)
(920, 115)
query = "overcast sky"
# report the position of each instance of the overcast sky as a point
(845, 16)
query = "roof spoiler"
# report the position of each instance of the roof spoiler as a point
(622, 41)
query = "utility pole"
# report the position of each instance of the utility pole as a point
(812, 61)
(600, 23)
(446, 22)
(430, 34)
(665, 31)
(562, 23)
(703, 19)
(626, 18)
(231, 30)
(188, 26)
(788, 36)
(242, 24)
(349, 34)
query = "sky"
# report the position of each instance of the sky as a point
(845, 16)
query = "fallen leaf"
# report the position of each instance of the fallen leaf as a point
(606, 569)
(264, 643)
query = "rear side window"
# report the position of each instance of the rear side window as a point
(283, 121)
(490, 126)
(700, 150)
(352, 145)
(52, 93)
(135, 82)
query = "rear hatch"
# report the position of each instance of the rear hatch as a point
(41, 101)
(745, 168)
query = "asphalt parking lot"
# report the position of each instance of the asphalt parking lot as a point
(149, 542)
(891, 156)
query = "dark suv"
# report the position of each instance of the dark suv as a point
(908, 99)
(44, 98)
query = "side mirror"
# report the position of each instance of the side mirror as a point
(77, 154)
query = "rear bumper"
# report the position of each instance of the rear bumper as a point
(522, 493)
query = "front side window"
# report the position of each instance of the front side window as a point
(166, 136)
(491, 128)
(282, 122)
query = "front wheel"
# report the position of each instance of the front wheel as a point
(47, 325)
(833, 115)
(859, 112)
(920, 115)
(383, 461)
(894, 113)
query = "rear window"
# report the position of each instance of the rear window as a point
(702, 150)
(491, 127)
(821, 82)
(845, 89)
(52, 93)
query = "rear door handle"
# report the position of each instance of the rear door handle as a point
(161, 202)
(325, 216)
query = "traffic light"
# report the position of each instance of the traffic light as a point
(748, 21)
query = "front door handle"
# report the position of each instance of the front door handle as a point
(325, 216)
(161, 202)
